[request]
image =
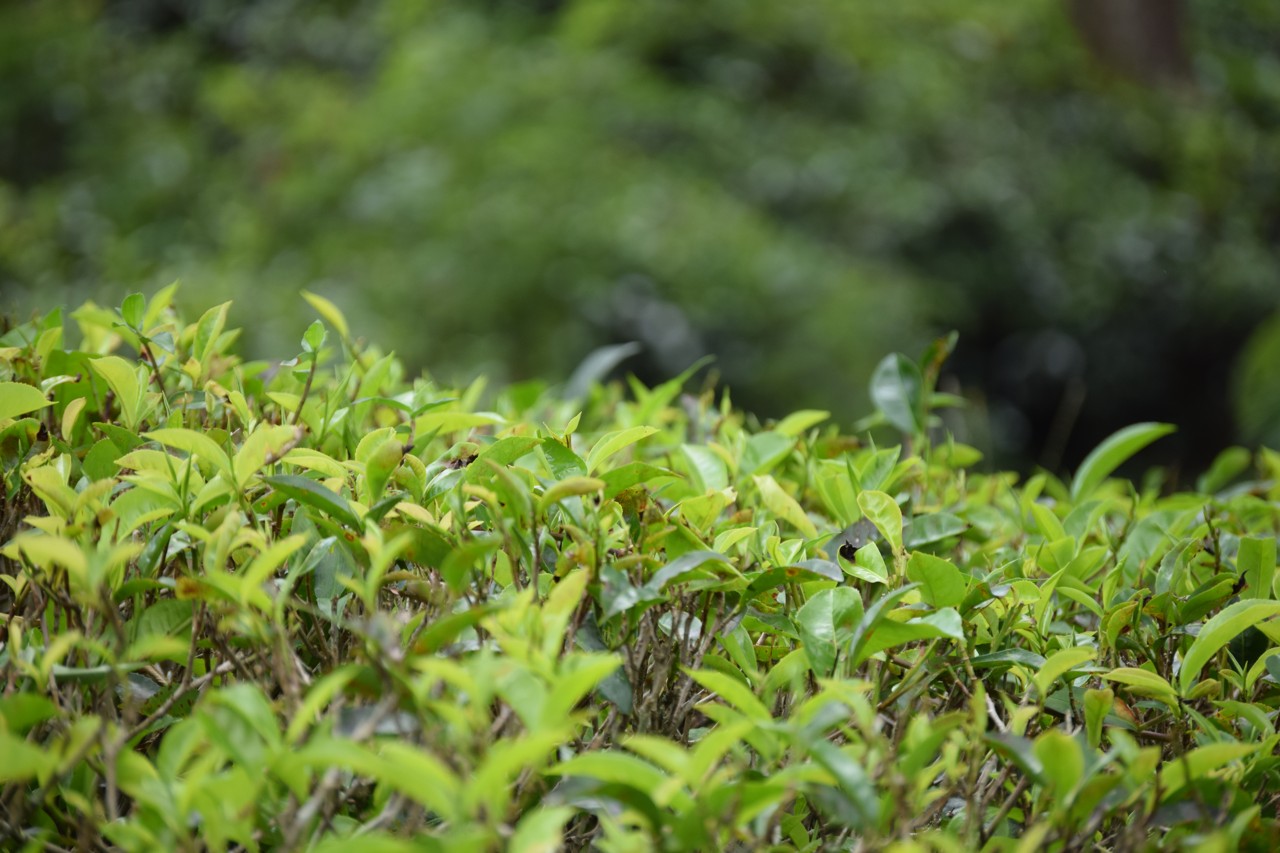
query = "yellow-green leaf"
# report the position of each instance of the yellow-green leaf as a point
(1144, 683)
(17, 399)
(328, 311)
(883, 511)
(784, 506)
(123, 381)
(1219, 631)
(1059, 664)
(570, 487)
(613, 442)
(195, 443)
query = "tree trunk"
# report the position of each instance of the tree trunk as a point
(1141, 39)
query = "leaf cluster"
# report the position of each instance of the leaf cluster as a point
(315, 603)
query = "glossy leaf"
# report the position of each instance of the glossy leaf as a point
(310, 493)
(1256, 562)
(614, 442)
(1219, 631)
(1111, 454)
(826, 622)
(885, 514)
(897, 389)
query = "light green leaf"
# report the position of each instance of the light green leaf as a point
(18, 399)
(208, 329)
(502, 452)
(686, 565)
(269, 560)
(826, 622)
(22, 760)
(941, 583)
(784, 506)
(616, 767)
(1219, 631)
(123, 381)
(883, 511)
(568, 488)
(310, 493)
(318, 697)
(266, 442)
(328, 311)
(1200, 762)
(763, 452)
(1060, 663)
(313, 337)
(1256, 563)
(868, 564)
(1144, 683)
(613, 442)
(796, 423)
(708, 468)
(1097, 705)
(732, 691)
(421, 776)
(888, 633)
(132, 310)
(1111, 454)
(541, 830)
(1062, 759)
(195, 443)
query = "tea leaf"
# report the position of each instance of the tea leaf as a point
(1111, 454)
(1219, 631)
(17, 399)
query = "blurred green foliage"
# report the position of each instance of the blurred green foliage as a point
(797, 188)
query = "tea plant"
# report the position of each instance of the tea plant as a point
(318, 603)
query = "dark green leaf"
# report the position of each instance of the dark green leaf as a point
(317, 496)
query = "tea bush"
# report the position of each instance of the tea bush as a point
(321, 604)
